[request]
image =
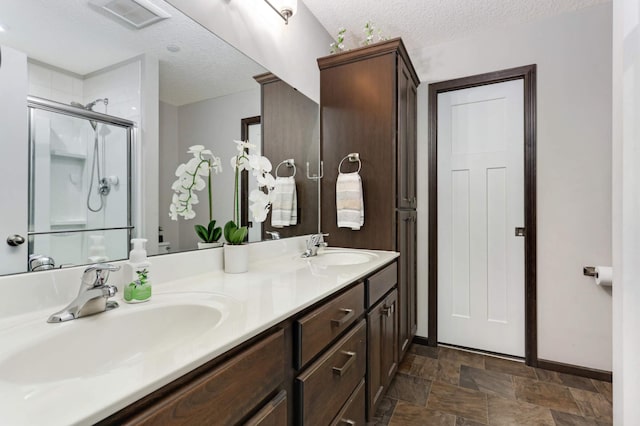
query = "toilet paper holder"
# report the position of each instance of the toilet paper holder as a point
(589, 271)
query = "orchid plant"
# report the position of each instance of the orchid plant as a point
(259, 199)
(190, 179)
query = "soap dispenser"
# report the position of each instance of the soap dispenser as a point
(139, 289)
(97, 250)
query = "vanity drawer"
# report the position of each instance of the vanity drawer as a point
(226, 394)
(352, 414)
(319, 328)
(325, 386)
(380, 283)
(274, 413)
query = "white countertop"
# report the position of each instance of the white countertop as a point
(76, 391)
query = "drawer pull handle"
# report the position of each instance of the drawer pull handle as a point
(349, 313)
(341, 371)
(348, 422)
(387, 310)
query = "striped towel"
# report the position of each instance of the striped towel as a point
(349, 201)
(284, 208)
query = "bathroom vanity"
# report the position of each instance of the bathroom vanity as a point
(293, 341)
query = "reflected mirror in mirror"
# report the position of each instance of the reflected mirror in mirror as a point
(178, 84)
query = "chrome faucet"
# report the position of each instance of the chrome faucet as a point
(275, 235)
(92, 296)
(314, 243)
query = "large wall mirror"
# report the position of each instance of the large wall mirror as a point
(101, 104)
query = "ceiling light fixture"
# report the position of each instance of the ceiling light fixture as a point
(285, 8)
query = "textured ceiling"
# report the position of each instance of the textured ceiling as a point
(71, 35)
(427, 22)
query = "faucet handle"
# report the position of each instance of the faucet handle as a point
(97, 275)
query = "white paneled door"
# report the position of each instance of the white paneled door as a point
(480, 204)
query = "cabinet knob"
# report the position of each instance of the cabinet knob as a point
(388, 310)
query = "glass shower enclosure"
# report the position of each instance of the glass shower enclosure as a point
(79, 184)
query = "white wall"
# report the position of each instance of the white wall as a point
(53, 83)
(626, 211)
(573, 54)
(288, 51)
(214, 123)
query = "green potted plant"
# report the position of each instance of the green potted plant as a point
(236, 252)
(191, 179)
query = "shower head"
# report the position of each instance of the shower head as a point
(90, 105)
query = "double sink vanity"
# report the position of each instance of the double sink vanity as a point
(293, 341)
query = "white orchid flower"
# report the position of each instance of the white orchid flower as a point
(259, 213)
(200, 184)
(190, 179)
(216, 164)
(243, 146)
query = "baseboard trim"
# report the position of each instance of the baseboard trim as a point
(576, 370)
(419, 340)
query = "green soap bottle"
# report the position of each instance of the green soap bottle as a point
(139, 288)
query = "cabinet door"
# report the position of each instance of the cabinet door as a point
(389, 312)
(407, 303)
(407, 138)
(383, 349)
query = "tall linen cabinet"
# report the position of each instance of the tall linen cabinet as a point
(368, 106)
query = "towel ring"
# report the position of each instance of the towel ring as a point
(289, 163)
(353, 157)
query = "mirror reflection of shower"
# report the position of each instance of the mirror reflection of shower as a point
(103, 183)
(79, 180)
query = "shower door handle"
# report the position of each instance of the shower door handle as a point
(15, 240)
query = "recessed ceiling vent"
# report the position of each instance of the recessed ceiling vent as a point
(137, 13)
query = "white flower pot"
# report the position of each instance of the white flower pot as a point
(236, 258)
(208, 245)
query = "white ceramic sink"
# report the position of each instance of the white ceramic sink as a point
(113, 340)
(342, 257)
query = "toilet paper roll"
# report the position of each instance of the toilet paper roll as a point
(604, 276)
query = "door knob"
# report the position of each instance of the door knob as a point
(15, 240)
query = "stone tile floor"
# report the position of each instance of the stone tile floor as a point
(444, 386)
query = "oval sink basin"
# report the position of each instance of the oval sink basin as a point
(342, 258)
(111, 340)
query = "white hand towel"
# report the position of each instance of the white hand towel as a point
(349, 201)
(284, 208)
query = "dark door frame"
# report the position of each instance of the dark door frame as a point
(528, 74)
(244, 177)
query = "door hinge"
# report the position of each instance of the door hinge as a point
(520, 232)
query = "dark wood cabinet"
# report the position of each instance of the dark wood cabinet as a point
(274, 413)
(407, 300)
(320, 327)
(326, 385)
(368, 105)
(383, 349)
(222, 396)
(353, 412)
(289, 125)
(407, 137)
(328, 364)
